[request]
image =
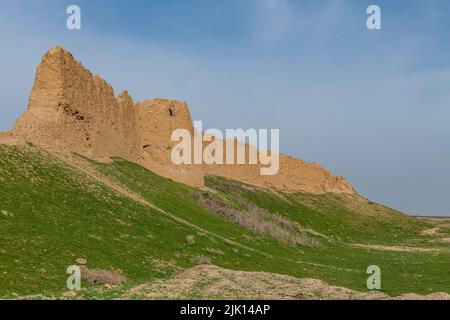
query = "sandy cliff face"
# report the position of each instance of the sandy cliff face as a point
(71, 110)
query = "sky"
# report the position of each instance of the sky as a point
(373, 105)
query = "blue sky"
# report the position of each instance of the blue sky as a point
(372, 105)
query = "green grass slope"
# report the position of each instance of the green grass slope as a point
(52, 213)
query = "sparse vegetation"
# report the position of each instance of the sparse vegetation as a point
(257, 220)
(215, 251)
(201, 260)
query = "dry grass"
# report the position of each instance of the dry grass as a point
(212, 282)
(394, 248)
(217, 252)
(257, 220)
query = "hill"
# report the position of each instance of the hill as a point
(123, 218)
(86, 179)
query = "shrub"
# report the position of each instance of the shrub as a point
(190, 239)
(217, 252)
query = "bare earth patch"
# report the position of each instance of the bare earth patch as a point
(431, 296)
(212, 282)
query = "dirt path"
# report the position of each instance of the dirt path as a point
(394, 248)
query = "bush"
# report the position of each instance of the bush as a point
(190, 239)
(217, 252)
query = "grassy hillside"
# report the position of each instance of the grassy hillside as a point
(151, 228)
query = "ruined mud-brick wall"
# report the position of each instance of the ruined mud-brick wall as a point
(70, 110)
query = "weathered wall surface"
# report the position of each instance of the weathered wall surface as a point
(293, 175)
(71, 110)
(157, 119)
